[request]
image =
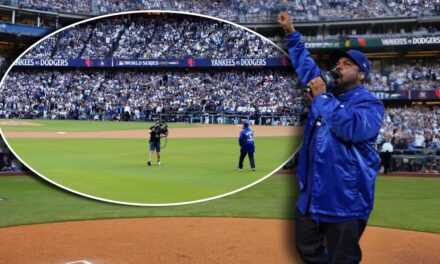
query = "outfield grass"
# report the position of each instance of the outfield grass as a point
(115, 169)
(401, 202)
(31, 200)
(407, 202)
(82, 126)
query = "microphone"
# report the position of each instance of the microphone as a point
(329, 80)
(330, 77)
(336, 74)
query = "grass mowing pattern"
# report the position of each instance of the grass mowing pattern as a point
(116, 169)
(401, 202)
(32, 200)
(408, 203)
(84, 126)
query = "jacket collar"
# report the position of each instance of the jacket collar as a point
(351, 93)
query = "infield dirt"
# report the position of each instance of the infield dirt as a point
(193, 240)
(208, 131)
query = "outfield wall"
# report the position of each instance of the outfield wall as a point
(275, 119)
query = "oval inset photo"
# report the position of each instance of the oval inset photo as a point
(152, 108)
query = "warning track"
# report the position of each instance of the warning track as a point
(209, 131)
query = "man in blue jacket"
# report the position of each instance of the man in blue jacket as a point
(338, 163)
(247, 146)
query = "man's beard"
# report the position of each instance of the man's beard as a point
(342, 86)
(339, 89)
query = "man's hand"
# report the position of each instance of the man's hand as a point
(317, 86)
(286, 22)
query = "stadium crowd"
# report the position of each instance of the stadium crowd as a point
(70, 42)
(409, 139)
(42, 51)
(228, 10)
(101, 41)
(8, 162)
(411, 128)
(81, 6)
(421, 76)
(250, 10)
(415, 7)
(114, 6)
(99, 94)
(155, 37)
(340, 9)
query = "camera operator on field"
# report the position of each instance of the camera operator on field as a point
(338, 163)
(157, 131)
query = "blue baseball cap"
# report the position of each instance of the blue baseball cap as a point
(358, 57)
(245, 125)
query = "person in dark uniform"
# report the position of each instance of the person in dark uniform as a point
(5, 164)
(247, 146)
(386, 152)
(154, 141)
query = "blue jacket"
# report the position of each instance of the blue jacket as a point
(344, 163)
(246, 140)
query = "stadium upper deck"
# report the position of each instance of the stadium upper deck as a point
(247, 10)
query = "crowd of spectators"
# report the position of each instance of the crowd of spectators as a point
(190, 37)
(8, 162)
(419, 76)
(71, 42)
(258, 11)
(345, 9)
(114, 6)
(415, 7)
(409, 139)
(44, 49)
(155, 37)
(102, 40)
(228, 10)
(78, 6)
(411, 128)
(101, 94)
(267, 11)
(250, 10)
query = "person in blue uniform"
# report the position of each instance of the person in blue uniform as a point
(247, 146)
(338, 163)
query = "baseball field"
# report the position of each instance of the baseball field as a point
(252, 226)
(42, 223)
(108, 159)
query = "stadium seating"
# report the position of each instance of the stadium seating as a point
(100, 94)
(250, 10)
(420, 76)
(154, 38)
(411, 128)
